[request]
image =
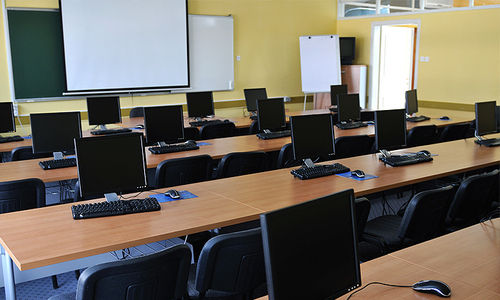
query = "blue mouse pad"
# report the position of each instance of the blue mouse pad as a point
(348, 175)
(202, 143)
(164, 198)
(27, 137)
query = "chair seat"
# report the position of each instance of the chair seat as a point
(66, 296)
(385, 229)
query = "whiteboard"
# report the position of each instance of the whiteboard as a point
(211, 59)
(319, 63)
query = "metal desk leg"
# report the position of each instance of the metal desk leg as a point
(8, 276)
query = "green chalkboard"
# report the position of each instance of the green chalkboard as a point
(36, 45)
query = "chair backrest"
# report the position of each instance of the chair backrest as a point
(254, 127)
(422, 135)
(285, 158)
(241, 163)
(162, 275)
(183, 170)
(217, 130)
(191, 133)
(362, 206)
(454, 132)
(348, 146)
(425, 215)
(136, 112)
(26, 152)
(232, 262)
(473, 198)
(21, 194)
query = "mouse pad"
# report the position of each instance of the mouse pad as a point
(348, 175)
(164, 198)
(202, 143)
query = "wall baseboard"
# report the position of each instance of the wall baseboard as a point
(446, 105)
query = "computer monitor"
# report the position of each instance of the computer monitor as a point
(348, 107)
(104, 110)
(336, 90)
(486, 122)
(347, 50)
(163, 124)
(312, 136)
(411, 102)
(200, 104)
(271, 114)
(390, 129)
(111, 164)
(55, 132)
(7, 117)
(310, 249)
(252, 95)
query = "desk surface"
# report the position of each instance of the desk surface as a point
(39, 237)
(467, 260)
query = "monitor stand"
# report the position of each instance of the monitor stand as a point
(385, 153)
(103, 127)
(308, 162)
(58, 155)
(253, 115)
(110, 197)
(486, 142)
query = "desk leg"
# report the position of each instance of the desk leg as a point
(8, 276)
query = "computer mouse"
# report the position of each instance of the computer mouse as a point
(190, 142)
(435, 287)
(139, 126)
(427, 153)
(444, 118)
(174, 194)
(358, 173)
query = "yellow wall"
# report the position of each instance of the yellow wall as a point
(463, 49)
(266, 36)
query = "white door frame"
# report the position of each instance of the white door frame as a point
(375, 56)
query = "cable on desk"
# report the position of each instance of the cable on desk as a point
(376, 282)
(130, 197)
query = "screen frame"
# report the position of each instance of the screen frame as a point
(147, 129)
(346, 98)
(91, 115)
(10, 107)
(336, 90)
(262, 103)
(377, 115)
(411, 106)
(480, 130)
(347, 59)
(38, 147)
(252, 103)
(190, 103)
(310, 118)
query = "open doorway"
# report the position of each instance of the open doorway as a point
(393, 65)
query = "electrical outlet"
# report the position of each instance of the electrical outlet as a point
(238, 58)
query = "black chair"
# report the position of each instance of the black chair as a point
(367, 116)
(423, 219)
(183, 170)
(473, 200)
(254, 128)
(241, 163)
(217, 130)
(366, 251)
(454, 132)
(422, 135)
(162, 275)
(285, 158)
(191, 133)
(25, 153)
(231, 266)
(136, 112)
(348, 146)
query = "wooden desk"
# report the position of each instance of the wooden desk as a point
(467, 260)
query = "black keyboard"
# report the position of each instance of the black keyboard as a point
(8, 139)
(174, 148)
(204, 122)
(58, 163)
(417, 119)
(488, 142)
(403, 160)
(274, 134)
(113, 208)
(110, 131)
(351, 125)
(319, 171)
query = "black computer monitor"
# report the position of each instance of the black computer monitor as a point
(163, 124)
(347, 50)
(411, 102)
(271, 114)
(55, 132)
(348, 107)
(486, 122)
(312, 136)
(7, 117)
(200, 104)
(252, 95)
(104, 110)
(390, 129)
(111, 164)
(337, 90)
(310, 249)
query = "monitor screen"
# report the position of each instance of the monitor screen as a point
(54, 132)
(7, 117)
(111, 164)
(486, 117)
(390, 129)
(104, 110)
(348, 107)
(411, 102)
(312, 136)
(271, 113)
(310, 249)
(163, 124)
(252, 95)
(347, 50)
(337, 90)
(200, 104)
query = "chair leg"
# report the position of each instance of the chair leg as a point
(55, 285)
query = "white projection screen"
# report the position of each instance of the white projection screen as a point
(120, 45)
